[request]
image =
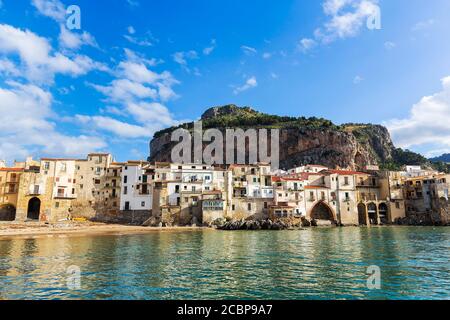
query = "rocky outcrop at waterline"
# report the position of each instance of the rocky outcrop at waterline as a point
(268, 224)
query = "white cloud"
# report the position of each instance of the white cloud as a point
(345, 18)
(56, 10)
(249, 84)
(144, 42)
(133, 3)
(422, 25)
(428, 122)
(72, 40)
(123, 90)
(267, 55)
(131, 30)
(154, 112)
(357, 79)
(249, 50)
(51, 8)
(8, 68)
(208, 50)
(306, 44)
(114, 126)
(39, 62)
(136, 92)
(28, 126)
(182, 57)
(389, 45)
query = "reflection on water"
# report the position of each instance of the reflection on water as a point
(307, 264)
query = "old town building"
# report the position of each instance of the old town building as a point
(99, 189)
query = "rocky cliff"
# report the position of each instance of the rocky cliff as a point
(303, 140)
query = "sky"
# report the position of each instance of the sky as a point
(135, 67)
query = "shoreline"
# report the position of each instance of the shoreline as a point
(33, 231)
(38, 230)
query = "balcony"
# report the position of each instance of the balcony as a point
(65, 196)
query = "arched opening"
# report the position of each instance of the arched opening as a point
(372, 211)
(362, 214)
(7, 212)
(322, 212)
(34, 209)
(383, 213)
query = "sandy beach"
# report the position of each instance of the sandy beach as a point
(36, 230)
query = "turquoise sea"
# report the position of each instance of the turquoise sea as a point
(329, 263)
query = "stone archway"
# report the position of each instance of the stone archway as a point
(7, 212)
(362, 220)
(321, 211)
(34, 208)
(372, 213)
(383, 213)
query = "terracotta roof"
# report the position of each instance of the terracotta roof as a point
(345, 172)
(12, 169)
(278, 179)
(316, 187)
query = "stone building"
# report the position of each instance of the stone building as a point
(9, 191)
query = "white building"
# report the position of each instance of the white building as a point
(136, 188)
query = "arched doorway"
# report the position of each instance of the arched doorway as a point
(372, 211)
(362, 214)
(7, 212)
(322, 212)
(34, 209)
(383, 213)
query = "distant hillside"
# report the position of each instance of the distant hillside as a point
(305, 140)
(443, 158)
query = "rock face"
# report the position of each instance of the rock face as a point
(302, 140)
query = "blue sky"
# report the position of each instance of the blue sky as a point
(138, 66)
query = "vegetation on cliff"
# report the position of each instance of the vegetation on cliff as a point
(374, 139)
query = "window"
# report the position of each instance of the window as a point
(97, 181)
(397, 205)
(249, 207)
(346, 181)
(63, 167)
(57, 179)
(56, 204)
(73, 190)
(46, 165)
(125, 190)
(265, 205)
(125, 179)
(143, 204)
(233, 207)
